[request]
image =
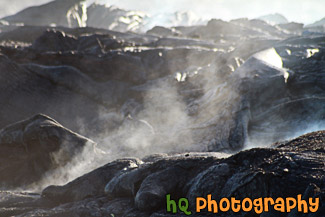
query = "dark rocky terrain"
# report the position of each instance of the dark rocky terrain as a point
(100, 118)
(134, 187)
(32, 147)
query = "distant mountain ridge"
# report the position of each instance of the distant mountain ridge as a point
(317, 23)
(274, 19)
(70, 13)
(75, 13)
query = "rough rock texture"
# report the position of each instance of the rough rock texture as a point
(138, 188)
(100, 74)
(111, 79)
(220, 86)
(30, 148)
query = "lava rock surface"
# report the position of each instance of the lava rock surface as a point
(137, 187)
(31, 148)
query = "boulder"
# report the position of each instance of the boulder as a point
(35, 146)
(89, 185)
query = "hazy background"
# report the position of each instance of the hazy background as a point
(305, 11)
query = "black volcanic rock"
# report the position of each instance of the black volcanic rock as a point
(31, 85)
(28, 34)
(286, 170)
(235, 30)
(57, 41)
(54, 41)
(163, 31)
(92, 70)
(91, 184)
(223, 86)
(32, 147)
(284, 88)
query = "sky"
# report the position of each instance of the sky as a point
(304, 11)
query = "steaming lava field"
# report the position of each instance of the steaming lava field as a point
(100, 121)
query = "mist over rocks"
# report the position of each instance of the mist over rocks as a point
(31, 148)
(286, 170)
(75, 93)
(91, 184)
(116, 83)
(176, 109)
